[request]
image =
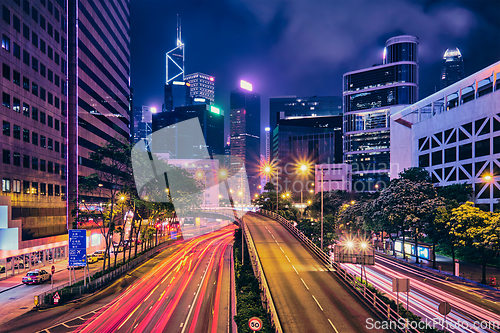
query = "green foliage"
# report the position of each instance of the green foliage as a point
(248, 301)
(415, 174)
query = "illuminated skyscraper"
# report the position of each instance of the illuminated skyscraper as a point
(453, 67)
(369, 95)
(245, 132)
(202, 87)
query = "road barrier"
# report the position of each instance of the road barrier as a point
(261, 277)
(383, 309)
(46, 299)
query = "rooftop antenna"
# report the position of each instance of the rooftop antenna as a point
(175, 57)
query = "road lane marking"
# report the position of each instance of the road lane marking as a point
(332, 325)
(304, 284)
(287, 258)
(282, 250)
(295, 269)
(317, 303)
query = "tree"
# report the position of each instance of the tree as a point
(475, 229)
(113, 172)
(415, 174)
(457, 192)
(406, 204)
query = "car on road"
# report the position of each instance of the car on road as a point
(36, 276)
(91, 258)
(100, 254)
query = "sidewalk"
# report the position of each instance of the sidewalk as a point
(469, 272)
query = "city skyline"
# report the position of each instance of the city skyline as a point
(259, 43)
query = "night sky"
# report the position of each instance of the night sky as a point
(302, 47)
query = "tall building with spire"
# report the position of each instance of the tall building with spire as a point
(453, 67)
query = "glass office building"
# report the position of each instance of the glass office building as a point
(368, 95)
(453, 67)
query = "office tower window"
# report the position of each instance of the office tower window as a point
(63, 129)
(16, 22)
(34, 89)
(50, 166)
(49, 7)
(57, 190)
(42, 117)
(16, 105)
(34, 14)
(6, 43)
(17, 132)
(34, 63)
(17, 159)
(34, 163)
(34, 138)
(43, 165)
(6, 156)
(6, 71)
(26, 135)
(50, 53)
(26, 187)
(6, 128)
(16, 186)
(42, 94)
(50, 189)
(26, 32)
(42, 69)
(56, 168)
(50, 30)
(26, 83)
(34, 188)
(50, 144)
(57, 102)
(6, 14)
(34, 114)
(57, 124)
(56, 14)
(50, 98)
(56, 80)
(26, 6)
(56, 146)
(26, 110)
(49, 121)
(16, 78)
(63, 172)
(42, 22)
(63, 193)
(34, 39)
(42, 141)
(56, 58)
(6, 100)
(42, 46)
(50, 75)
(17, 51)
(6, 185)
(26, 161)
(43, 189)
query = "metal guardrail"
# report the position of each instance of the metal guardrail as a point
(46, 297)
(259, 273)
(383, 309)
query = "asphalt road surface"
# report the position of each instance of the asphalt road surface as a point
(308, 298)
(183, 289)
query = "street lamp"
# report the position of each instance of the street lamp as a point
(268, 170)
(303, 169)
(487, 178)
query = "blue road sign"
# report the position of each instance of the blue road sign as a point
(77, 247)
(173, 234)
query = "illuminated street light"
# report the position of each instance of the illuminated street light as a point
(240, 193)
(223, 173)
(353, 202)
(309, 202)
(100, 185)
(363, 245)
(487, 178)
(256, 195)
(350, 244)
(311, 191)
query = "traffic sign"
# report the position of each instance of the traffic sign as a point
(53, 269)
(56, 298)
(255, 324)
(77, 247)
(444, 308)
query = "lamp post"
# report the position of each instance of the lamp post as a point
(303, 169)
(321, 207)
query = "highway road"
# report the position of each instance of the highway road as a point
(468, 311)
(185, 288)
(307, 297)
